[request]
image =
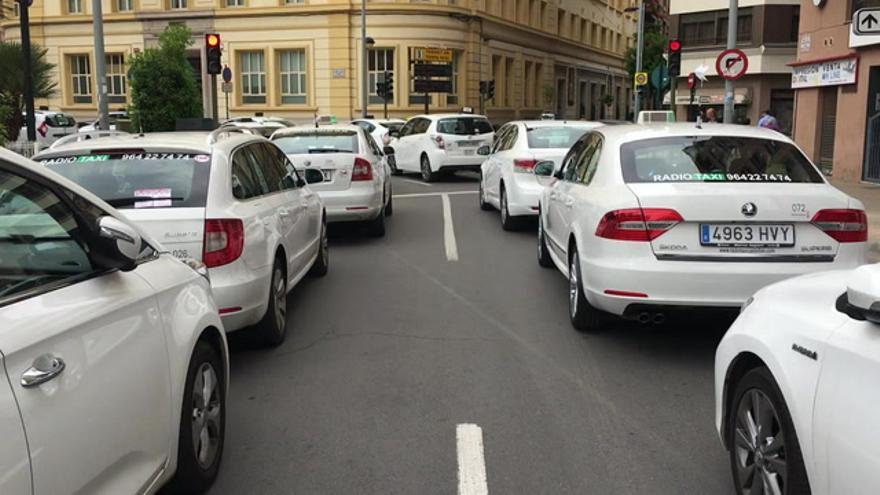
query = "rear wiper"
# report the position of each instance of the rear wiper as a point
(328, 150)
(137, 199)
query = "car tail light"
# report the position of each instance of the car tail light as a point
(362, 170)
(524, 166)
(438, 140)
(637, 224)
(224, 242)
(843, 225)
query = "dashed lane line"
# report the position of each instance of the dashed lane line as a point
(471, 460)
(449, 230)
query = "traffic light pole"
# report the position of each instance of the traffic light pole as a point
(214, 99)
(639, 51)
(28, 72)
(100, 64)
(731, 43)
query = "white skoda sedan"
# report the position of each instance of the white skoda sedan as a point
(797, 386)
(114, 370)
(356, 184)
(507, 180)
(648, 219)
(229, 199)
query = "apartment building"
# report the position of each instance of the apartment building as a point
(299, 58)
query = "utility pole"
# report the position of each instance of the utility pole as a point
(364, 61)
(731, 43)
(100, 61)
(639, 53)
(28, 72)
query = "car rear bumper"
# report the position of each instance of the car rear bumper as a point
(523, 197)
(354, 204)
(710, 284)
(443, 160)
(241, 293)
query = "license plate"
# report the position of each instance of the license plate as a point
(737, 235)
(328, 175)
(468, 152)
(468, 144)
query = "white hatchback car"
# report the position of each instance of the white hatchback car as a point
(114, 363)
(357, 179)
(380, 129)
(648, 219)
(507, 181)
(230, 199)
(50, 126)
(436, 144)
(797, 386)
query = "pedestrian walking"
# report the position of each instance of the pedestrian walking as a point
(768, 120)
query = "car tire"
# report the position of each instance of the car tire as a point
(584, 317)
(200, 420)
(755, 389)
(392, 164)
(376, 226)
(544, 258)
(389, 206)
(508, 222)
(484, 205)
(322, 262)
(272, 329)
(427, 174)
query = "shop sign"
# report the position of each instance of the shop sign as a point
(830, 73)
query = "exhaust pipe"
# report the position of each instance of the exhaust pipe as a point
(644, 317)
(659, 319)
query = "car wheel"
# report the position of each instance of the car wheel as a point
(389, 207)
(427, 174)
(584, 316)
(272, 329)
(507, 222)
(392, 163)
(543, 255)
(376, 227)
(322, 262)
(765, 456)
(485, 206)
(202, 422)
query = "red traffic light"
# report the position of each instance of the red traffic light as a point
(674, 46)
(212, 40)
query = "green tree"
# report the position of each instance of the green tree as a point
(12, 84)
(163, 84)
(655, 46)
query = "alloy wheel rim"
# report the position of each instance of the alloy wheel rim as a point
(425, 169)
(759, 446)
(573, 285)
(206, 416)
(280, 299)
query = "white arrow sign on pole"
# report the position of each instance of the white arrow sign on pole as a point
(867, 21)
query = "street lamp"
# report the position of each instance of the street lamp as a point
(640, 48)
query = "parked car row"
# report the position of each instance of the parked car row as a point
(648, 220)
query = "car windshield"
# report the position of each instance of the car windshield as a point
(60, 120)
(464, 126)
(715, 159)
(393, 126)
(318, 142)
(554, 137)
(139, 179)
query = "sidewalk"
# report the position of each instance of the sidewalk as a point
(869, 195)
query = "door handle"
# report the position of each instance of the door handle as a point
(569, 202)
(283, 212)
(45, 368)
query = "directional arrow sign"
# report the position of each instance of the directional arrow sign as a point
(867, 21)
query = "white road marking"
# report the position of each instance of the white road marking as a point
(425, 184)
(471, 462)
(428, 195)
(449, 230)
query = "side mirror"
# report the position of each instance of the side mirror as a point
(388, 150)
(313, 176)
(861, 301)
(484, 150)
(545, 168)
(122, 243)
(558, 174)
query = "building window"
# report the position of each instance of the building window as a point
(178, 4)
(74, 7)
(743, 29)
(80, 78)
(538, 85)
(235, 3)
(510, 80)
(295, 2)
(380, 61)
(124, 5)
(253, 77)
(116, 78)
(452, 98)
(15, 11)
(293, 77)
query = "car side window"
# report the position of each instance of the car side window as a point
(422, 126)
(246, 183)
(283, 167)
(591, 158)
(266, 166)
(407, 128)
(367, 126)
(510, 139)
(499, 138)
(372, 144)
(569, 164)
(41, 242)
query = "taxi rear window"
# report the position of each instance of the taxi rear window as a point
(715, 159)
(138, 179)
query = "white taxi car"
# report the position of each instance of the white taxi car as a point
(380, 129)
(357, 179)
(229, 199)
(114, 370)
(507, 179)
(648, 219)
(797, 395)
(441, 143)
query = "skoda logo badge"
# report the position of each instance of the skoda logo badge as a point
(749, 209)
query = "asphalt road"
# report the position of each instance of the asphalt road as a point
(398, 345)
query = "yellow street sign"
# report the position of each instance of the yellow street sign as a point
(640, 78)
(431, 54)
